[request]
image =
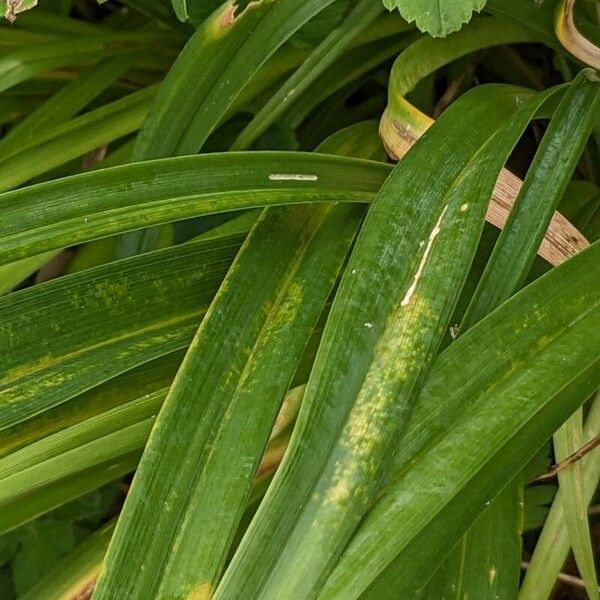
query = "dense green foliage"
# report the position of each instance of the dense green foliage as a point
(299, 299)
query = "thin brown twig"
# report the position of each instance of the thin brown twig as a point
(572, 458)
(562, 577)
(454, 87)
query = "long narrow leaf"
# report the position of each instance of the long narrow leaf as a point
(134, 311)
(344, 434)
(514, 404)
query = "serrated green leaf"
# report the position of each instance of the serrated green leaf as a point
(436, 17)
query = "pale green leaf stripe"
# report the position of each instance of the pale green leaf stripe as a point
(128, 314)
(328, 478)
(513, 401)
(238, 369)
(553, 544)
(89, 206)
(117, 391)
(568, 439)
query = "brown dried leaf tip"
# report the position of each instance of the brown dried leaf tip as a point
(11, 9)
(228, 16)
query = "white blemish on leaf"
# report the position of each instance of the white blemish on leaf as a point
(464, 207)
(369, 325)
(292, 177)
(434, 233)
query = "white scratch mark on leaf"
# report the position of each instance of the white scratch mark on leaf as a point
(434, 233)
(292, 177)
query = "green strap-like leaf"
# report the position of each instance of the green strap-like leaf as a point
(375, 348)
(54, 146)
(567, 440)
(180, 8)
(126, 314)
(84, 207)
(23, 64)
(231, 45)
(554, 542)
(77, 572)
(486, 561)
(100, 401)
(543, 187)
(323, 56)
(505, 272)
(424, 56)
(500, 404)
(536, 16)
(279, 282)
(38, 502)
(236, 376)
(66, 103)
